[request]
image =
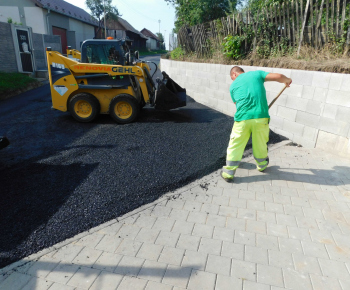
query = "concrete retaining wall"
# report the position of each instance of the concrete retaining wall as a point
(7, 49)
(313, 112)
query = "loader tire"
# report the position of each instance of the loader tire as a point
(84, 107)
(124, 108)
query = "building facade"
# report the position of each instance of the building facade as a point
(51, 17)
(122, 29)
(153, 41)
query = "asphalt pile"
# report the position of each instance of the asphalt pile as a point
(60, 177)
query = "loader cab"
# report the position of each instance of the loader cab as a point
(113, 52)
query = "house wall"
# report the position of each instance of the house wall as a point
(35, 19)
(82, 32)
(15, 10)
(58, 20)
(151, 43)
(313, 112)
(10, 12)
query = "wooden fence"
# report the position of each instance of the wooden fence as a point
(293, 23)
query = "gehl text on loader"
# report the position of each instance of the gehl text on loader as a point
(109, 79)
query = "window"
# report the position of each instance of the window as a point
(102, 54)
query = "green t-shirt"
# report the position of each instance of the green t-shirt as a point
(249, 94)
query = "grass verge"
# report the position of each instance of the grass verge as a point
(15, 83)
(152, 52)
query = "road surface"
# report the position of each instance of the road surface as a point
(60, 177)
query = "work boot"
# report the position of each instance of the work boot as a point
(226, 177)
(263, 167)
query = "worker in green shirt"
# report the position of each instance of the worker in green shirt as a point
(251, 118)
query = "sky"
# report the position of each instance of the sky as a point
(143, 14)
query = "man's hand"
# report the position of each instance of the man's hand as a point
(289, 82)
(274, 77)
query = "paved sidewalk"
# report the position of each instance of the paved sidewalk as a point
(288, 228)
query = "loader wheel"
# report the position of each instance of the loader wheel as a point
(84, 107)
(124, 108)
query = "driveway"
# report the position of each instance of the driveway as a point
(60, 177)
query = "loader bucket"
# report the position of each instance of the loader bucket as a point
(169, 94)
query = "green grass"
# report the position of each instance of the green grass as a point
(152, 52)
(13, 81)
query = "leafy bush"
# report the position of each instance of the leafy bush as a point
(177, 53)
(233, 46)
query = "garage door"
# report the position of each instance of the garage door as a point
(63, 33)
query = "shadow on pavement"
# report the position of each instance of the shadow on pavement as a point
(97, 275)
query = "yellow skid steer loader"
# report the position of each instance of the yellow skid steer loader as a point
(109, 79)
(73, 53)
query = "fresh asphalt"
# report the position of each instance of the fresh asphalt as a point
(60, 177)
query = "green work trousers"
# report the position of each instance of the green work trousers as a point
(241, 131)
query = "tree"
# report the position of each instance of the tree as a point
(160, 36)
(99, 7)
(192, 12)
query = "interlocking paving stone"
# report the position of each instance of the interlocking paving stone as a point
(107, 261)
(171, 256)
(15, 281)
(201, 230)
(280, 259)
(195, 260)
(128, 247)
(226, 282)
(132, 283)
(62, 273)
(84, 278)
(249, 285)
(201, 280)
(287, 229)
(267, 242)
(242, 237)
(218, 265)
(108, 243)
(255, 255)
(57, 286)
(42, 267)
(210, 246)
(163, 224)
(188, 242)
(67, 253)
(152, 271)
(87, 257)
(223, 234)
(304, 264)
(296, 280)
(106, 281)
(177, 276)
(270, 275)
(243, 270)
(129, 266)
(37, 284)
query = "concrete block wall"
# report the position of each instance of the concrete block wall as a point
(7, 56)
(39, 51)
(313, 112)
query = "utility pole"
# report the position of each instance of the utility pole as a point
(159, 25)
(104, 8)
(164, 38)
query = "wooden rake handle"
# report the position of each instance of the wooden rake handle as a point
(275, 99)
